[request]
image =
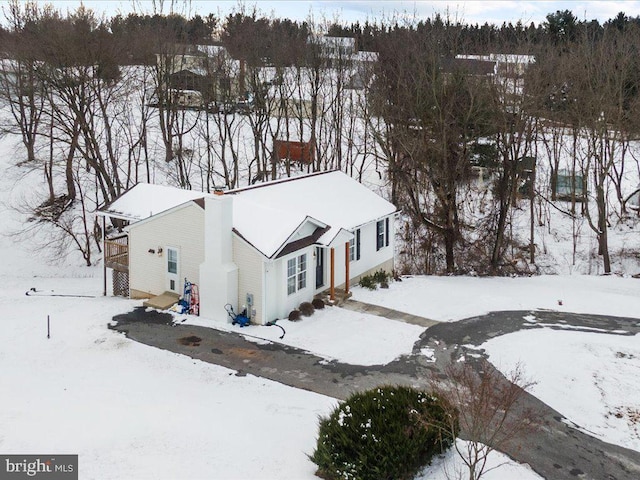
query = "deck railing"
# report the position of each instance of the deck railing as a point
(116, 253)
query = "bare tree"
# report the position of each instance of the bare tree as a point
(489, 408)
(514, 140)
(605, 79)
(437, 109)
(20, 86)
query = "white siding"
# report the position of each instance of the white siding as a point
(273, 288)
(305, 230)
(370, 258)
(370, 261)
(250, 275)
(285, 302)
(183, 229)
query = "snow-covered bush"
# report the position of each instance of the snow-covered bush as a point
(387, 432)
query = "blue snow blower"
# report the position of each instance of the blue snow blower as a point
(241, 319)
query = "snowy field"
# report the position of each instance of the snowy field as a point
(447, 299)
(591, 378)
(135, 412)
(498, 467)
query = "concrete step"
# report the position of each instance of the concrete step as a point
(162, 302)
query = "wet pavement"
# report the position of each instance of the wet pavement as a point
(555, 451)
(281, 363)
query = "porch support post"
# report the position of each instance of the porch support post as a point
(104, 258)
(332, 289)
(346, 269)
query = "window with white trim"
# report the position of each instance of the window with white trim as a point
(354, 247)
(172, 260)
(302, 271)
(296, 273)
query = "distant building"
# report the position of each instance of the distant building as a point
(207, 69)
(571, 185)
(506, 69)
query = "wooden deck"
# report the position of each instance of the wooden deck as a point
(116, 253)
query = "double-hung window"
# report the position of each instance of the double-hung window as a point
(382, 233)
(354, 247)
(296, 273)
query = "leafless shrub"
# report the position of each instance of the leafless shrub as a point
(490, 409)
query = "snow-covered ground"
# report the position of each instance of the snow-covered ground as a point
(333, 333)
(591, 378)
(447, 299)
(498, 467)
(134, 412)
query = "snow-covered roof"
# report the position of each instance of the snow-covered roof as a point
(269, 215)
(332, 198)
(212, 50)
(145, 200)
(264, 227)
(336, 41)
(371, 57)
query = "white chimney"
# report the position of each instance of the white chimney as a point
(218, 273)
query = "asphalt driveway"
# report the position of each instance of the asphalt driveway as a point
(555, 451)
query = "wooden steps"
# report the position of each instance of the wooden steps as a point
(162, 302)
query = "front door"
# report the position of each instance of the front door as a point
(319, 267)
(173, 275)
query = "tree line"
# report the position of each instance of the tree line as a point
(96, 107)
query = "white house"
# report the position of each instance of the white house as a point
(269, 246)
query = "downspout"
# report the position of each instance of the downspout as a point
(332, 290)
(104, 258)
(264, 291)
(346, 269)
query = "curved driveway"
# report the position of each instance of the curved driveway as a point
(556, 451)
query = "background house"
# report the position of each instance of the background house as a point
(206, 69)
